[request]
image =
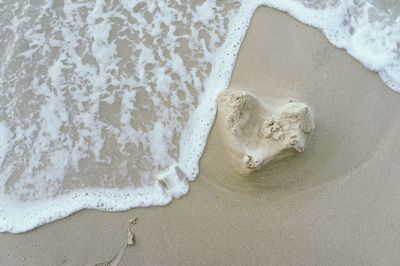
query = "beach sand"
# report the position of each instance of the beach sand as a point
(336, 203)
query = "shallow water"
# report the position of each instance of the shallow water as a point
(100, 100)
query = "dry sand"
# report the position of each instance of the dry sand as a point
(337, 203)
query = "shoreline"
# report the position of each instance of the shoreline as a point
(335, 204)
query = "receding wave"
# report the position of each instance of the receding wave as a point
(108, 104)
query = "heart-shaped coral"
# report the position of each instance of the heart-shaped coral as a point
(257, 134)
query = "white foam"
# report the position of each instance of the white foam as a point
(109, 106)
(368, 30)
(4, 141)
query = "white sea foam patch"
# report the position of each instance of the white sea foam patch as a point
(96, 96)
(369, 30)
(108, 104)
(4, 141)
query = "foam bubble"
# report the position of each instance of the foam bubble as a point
(5, 142)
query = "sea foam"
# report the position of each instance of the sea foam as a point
(108, 104)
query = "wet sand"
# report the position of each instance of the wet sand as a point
(337, 203)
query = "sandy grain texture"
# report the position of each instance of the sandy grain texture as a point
(335, 204)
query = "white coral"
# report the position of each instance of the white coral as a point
(257, 134)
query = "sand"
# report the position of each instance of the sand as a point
(336, 203)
